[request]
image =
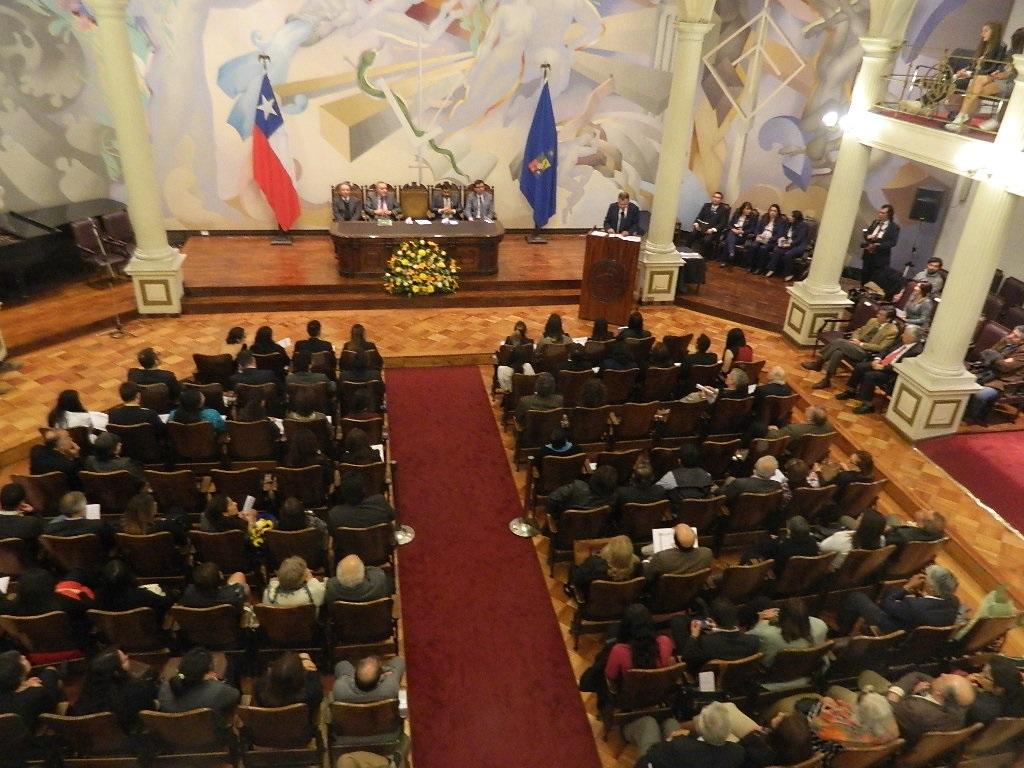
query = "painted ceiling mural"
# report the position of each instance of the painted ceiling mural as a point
(436, 90)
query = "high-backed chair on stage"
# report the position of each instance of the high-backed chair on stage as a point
(356, 192)
(118, 228)
(415, 200)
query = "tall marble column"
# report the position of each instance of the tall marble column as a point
(659, 261)
(819, 296)
(932, 389)
(155, 267)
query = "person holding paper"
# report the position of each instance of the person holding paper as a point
(480, 204)
(72, 520)
(623, 216)
(685, 556)
(69, 413)
(445, 201)
(709, 225)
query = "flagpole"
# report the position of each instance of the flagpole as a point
(282, 237)
(535, 237)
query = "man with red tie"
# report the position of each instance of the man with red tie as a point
(879, 372)
(380, 203)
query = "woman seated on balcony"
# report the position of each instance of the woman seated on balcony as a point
(992, 78)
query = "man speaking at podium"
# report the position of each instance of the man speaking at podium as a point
(623, 217)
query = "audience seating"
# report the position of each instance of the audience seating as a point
(706, 375)
(187, 737)
(375, 726)
(279, 737)
(674, 593)
(213, 395)
(716, 455)
(237, 484)
(251, 444)
(619, 384)
(574, 525)
(90, 740)
(591, 428)
(46, 634)
(860, 496)
(802, 574)
(749, 518)
(553, 472)
(739, 582)
(195, 445)
(213, 369)
(176, 489)
(227, 549)
(678, 346)
(136, 632)
(156, 397)
(152, 557)
(604, 606)
(639, 520)
(642, 692)
(659, 383)
(934, 745)
(570, 384)
(752, 369)
(622, 461)
(215, 628)
(812, 448)
(374, 545)
(834, 328)
(73, 552)
(308, 544)
(304, 483)
(809, 502)
(913, 557)
(15, 557)
(43, 491)
(358, 630)
(111, 490)
(139, 442)
(291, 627)
(856, 654)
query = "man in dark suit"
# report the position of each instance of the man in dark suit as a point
(16, 518)
(544, 397)
(709, 225)
(72, 521)
(623, 217)
(150, 374)
(759, 482)
(444, 201)
(480, 202)
(58, 453)
(248, 373)
(816, 423)
(356, 509)
(355, 582)
(879, 371)
(381, 203)
(927, 525)
(879, 238)
(922, 703)
(697, 641)
(641, 488)
(927, 599)
(315, 344)
(775, 386)
(130, 413)
(346, 207)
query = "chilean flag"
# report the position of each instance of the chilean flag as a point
(272, 165)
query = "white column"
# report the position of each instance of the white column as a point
(659, 261)
(155, 266)
(932, 389)
(819, 296)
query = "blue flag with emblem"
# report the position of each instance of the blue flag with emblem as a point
(537, 179)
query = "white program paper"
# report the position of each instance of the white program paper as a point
(92, 511)
(250, 502)
(165, 417)
(99, 420)
(706, 681)
(423, 221)
(5, 583)
(285, 342)
(664, 538)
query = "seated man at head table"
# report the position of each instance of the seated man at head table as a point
(444, 201)
(346, 207)
(381, 202)
(480, 203)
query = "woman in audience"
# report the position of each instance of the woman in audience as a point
(736, 349)
(558, 445)
(222, 514)
(303, 408)
(619, 360)
(797, 541)
(356, 449)
(553, 333)
(787, 627)
(638, 646)
(869, 534)
(593, 394)
(140, 519)
(110, 686)
(920, 306)
(255, 411)
(999, 691)
(69, 412)
(616, 561)
(209, 588)
(634, 328)
(294, 585)
(196, 686)
(517, 361)
(24, 696)
(191, 410)
(292, 679)
(600, 331)
(357, 341)
(293, 516)
(264, 344)
(362, 406)
(234, 343)
(860, 469)
(660, 357)
(742, 227)
(304, 451)
(38, 593)
(119, 591)
(771, 227)
(854, 720)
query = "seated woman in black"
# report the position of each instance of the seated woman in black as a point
(304, 451)
(293, 516)
(357, 341)
(110, 687)
(24, 696)
(356, 449)
(255, 411)
(634, 328)
(558, 445)
(119, 591)
(37, 594)
(264, 344)
(140, 519)
(600, 331)
(292, 679)
(620, 359)
(210, 588)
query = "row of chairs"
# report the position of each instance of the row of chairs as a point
(105, 243)
(218, 369)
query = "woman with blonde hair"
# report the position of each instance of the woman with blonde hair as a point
(617, 561)
(294, 585)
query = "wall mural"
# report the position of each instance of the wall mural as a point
(443, 89)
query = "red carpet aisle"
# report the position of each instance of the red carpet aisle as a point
(988, 465)
(489, 679)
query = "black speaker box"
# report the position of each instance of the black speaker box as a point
(927, 203)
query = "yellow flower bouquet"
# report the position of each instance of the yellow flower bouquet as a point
(420, 268)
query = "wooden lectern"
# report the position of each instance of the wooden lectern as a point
(609, 272)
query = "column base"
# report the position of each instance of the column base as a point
(925, 403)
(158, 283)
(658, 272)
(807, 308)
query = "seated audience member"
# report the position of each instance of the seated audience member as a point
(553, 332)
(357, 368)
(480, 203)
(38, 593)
(872, 337)
(736, 387)
(686, 556)
(641, 488)
(110, 686)
(789, 246)
(106, 457)
(815, 423)
(689, 480)
(922, 703)
(776, 386)
(255, 412)
(712, 220)
(294, 585)
(989, 82)
(576, 361)
(444, 201)
(795, 542)
(248, 373)
(357, 341)
(999, 691)
(355, 582)
(769, 228)
(558, 445)
(931, 274)
(140, 518)
(707, 744)
(920, 307)
(69, 412)
(638, 646)
(304, 451)
(371, 679)
(303, 408)
(149, 373)
(58, 453)
(860, 469)
(598, 490)
(594, 394)
(718, 637)
(17, 520)
(293, 516)
(362, 406)
(71, 520)
(619, 359)
(302, 375)
(234, 343)
(25, 696)
(866, 535)
(544, 398)
(623, 216)
(660, 357)
(736, 349)
(119, 591)
(381, 202)
(634, 328)
(345, 207)
(222, 514)
(292, 678)
(927, 599)
(785, 627)
(264, 344)
(925, 525)
(354, 509)
(130, 413)
(763, 480)
(314, 343)
(878, 371)
(520, 342)
(850, 720)
(356, 449)
(209, 588)
(616, 561)
(741, 229)
(1001, 361)
(196, 685)
(703, 354)
(191, 410)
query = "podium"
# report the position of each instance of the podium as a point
(609, 273)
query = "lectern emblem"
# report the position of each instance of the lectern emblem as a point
(607, 280)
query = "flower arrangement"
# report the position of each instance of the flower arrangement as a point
(418, 268)
(258, 530)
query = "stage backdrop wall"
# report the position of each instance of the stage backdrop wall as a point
(445, 89)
